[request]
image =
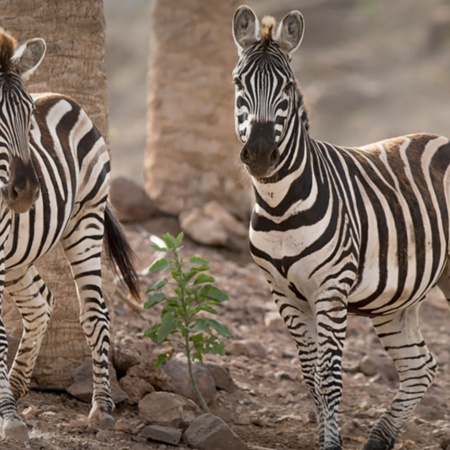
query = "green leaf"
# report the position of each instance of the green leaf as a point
(206, 308)
(204, 278)
(159, 265)
(163, 358)
(154, 300)
(170, 241)
(206, 324)
(213, 293)
(152, 332)
(158, 248)
(179, 238)
(167, 326)
(199, 260)
(158, 285)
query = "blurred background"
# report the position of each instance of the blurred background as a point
(370, 69)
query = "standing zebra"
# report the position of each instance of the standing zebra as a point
(54, 178)
(337, 229)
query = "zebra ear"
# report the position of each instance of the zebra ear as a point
(28, 56)
(290, 32)
(245, 27)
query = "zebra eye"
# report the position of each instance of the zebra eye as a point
(238, 84)
(288, 87)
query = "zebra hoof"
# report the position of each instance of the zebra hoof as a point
(100, 419)
(15, 429)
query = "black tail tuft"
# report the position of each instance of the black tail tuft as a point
(120, 253)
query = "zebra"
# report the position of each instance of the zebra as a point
(339, 230)
(54, 181)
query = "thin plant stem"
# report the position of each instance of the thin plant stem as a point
(185, 332)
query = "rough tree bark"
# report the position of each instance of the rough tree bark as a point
(74, 65)
(192, 152)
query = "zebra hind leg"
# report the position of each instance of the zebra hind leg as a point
(83, 246)
(400, 335)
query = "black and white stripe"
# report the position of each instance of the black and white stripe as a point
(338, 230)
(54, 170)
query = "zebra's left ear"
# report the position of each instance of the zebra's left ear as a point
(28, 56)
(290, 32)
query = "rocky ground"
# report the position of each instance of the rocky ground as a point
(266, 404)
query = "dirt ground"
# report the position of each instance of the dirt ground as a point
(270, 409)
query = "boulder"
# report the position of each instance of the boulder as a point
(168, 409)
(131, 203)
(213, 225)
(209, 432)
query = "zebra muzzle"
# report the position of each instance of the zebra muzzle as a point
(260, 153)
(23, 189)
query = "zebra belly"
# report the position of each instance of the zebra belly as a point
(381, 286)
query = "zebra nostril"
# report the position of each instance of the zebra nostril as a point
(14, 192)
(274, 157)
(245, 155)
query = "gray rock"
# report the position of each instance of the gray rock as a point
(136, 388)
(213, 225)
(209, 432)
(221, 375)
(130, 201)
(82, 387)
(371, 365)
(168, 435)
(177, 371)
(248, 347)
(168, 409)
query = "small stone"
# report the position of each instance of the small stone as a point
(136, 388)
(30, 413)
(77, 424)
(273, 321)
(371, 365)
(177, 370)
(249, 348)
(168, 435)
(209, 432)
(168, 409)
(221, 375)
(122, 425)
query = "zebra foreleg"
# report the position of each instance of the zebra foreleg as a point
(416, 367)
(331, 323)
(13, 427)
(302, 324)
(84, 255)
(35, 303)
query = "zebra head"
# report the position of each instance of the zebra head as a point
(265, 86)
(19, 184)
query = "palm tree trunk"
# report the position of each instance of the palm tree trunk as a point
(74, 65)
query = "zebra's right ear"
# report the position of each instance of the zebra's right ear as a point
(245, 27)
(28, 56)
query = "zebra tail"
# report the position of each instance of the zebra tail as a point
(120, 253)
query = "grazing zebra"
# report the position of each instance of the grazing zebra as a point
(54, 177)
(338, 229)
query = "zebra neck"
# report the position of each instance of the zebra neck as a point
(293, 179)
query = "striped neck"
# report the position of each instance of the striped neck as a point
(295, 163)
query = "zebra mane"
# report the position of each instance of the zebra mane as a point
(8, 46)
(268, 24)
(303, 106)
